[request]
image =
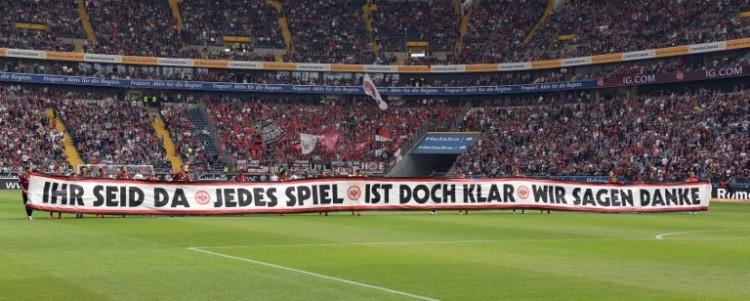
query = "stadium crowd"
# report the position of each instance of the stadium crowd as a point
(337, 32)
(144, 28)
(60, 17)
(206, 23)
(328, 32)
(656, 137)
(357, 125)
(187, 137)
(497, 27)
(112, 131)
(600, 27)
(27, 135)
(435, 22)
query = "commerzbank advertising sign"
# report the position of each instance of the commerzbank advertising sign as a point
(445, 143)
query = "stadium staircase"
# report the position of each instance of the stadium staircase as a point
(367, 15)
(173, 4)
(74, 159)
(200, 121)
(282, 23)
(463, 28)
(90, 35)
(413, 166)
(161, 131)
(547, 12)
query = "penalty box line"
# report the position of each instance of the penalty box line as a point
(288, 269)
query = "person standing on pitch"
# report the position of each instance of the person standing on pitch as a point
(152, 177)
(83, 173)
(283, 176)
(24, 181)
(433, 175)
(692, 179)
(324, 174)
(102, 175)
(240, 177)
(357, 174)
(462, 175)
(181, 175)
(123, 175)
(59, 172)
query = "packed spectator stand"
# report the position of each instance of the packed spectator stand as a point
(356, 123)
(112, 131)
(600, 27)
(337, 32)
(206, 22)
(144, 28)
(658, 137)
(435, 22)
(191, 136)
(325, 31)
(27, 135)
(61, 19)
(498, 27)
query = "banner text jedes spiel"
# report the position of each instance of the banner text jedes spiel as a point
(50, 193)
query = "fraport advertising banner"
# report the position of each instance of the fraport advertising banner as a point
(445, 143)
(267, 88)
(95, 196)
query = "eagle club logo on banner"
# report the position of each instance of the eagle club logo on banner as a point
(52, 193)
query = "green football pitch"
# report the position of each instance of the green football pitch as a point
(487, 255)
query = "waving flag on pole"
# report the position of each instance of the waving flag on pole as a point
(328, 141)
(372, 91)
(382, 135)
(308, 142)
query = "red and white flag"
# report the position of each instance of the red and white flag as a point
(328, 141)
(372, 91)
(382, 135)
(308, 143)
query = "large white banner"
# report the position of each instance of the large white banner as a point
(52, 193)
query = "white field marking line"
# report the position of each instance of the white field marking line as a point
(661, 236)
(288, 269)
(374, 243)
